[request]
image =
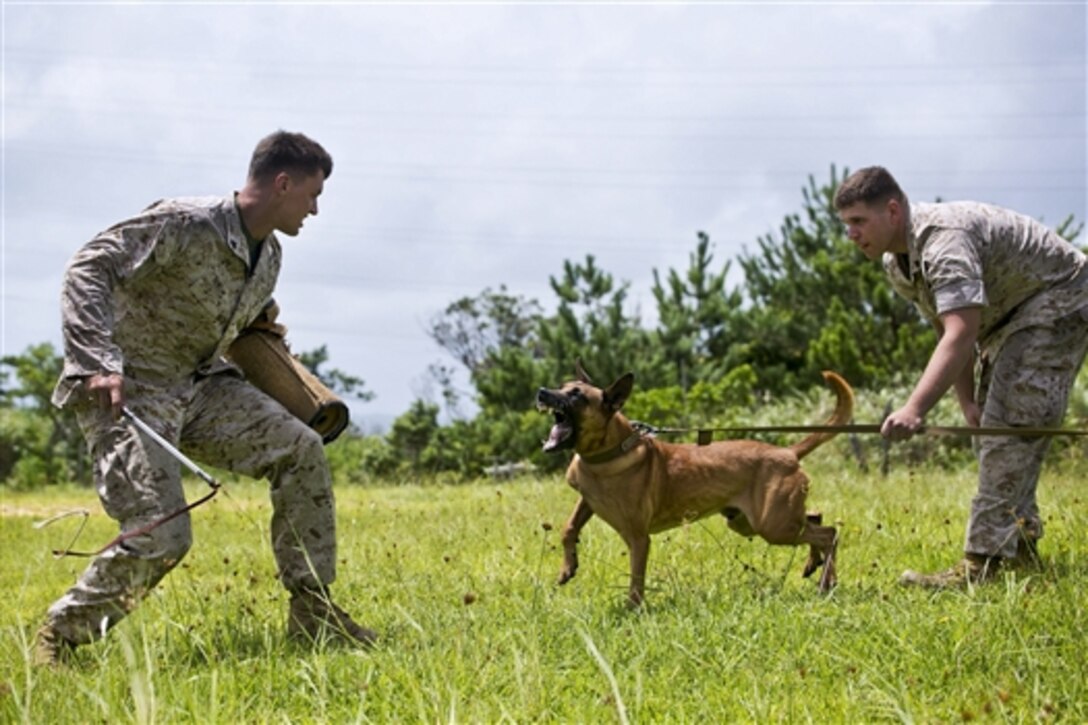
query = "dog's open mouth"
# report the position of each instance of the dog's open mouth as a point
(562, 433)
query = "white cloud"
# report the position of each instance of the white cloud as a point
(480, 145)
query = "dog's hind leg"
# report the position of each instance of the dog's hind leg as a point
(823, 542)
(828, 579)
(782, 520)
(815, 556)
(578, 518)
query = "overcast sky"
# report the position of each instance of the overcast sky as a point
(479, 145)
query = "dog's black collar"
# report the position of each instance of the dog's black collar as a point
(615, 452)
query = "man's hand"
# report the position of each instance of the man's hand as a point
(901, 425)
(971, 413)
(107, 391)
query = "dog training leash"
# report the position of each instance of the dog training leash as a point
(146, 528)
(945, 430)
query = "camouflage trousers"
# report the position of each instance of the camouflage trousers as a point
(221, 421)
(1026, 383)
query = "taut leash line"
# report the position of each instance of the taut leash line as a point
(946, 430)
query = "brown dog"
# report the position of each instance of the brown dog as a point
(641, 486)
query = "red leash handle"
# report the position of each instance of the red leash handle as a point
(146, 528)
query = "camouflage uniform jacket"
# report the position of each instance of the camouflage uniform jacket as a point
(159, 297)
(969, 254)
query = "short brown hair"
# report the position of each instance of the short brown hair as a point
(871, 185)
(290, 152)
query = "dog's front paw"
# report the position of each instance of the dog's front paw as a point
(570, 568)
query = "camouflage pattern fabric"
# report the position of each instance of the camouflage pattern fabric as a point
(1032, 286)
(1026, 384)
(968, 254)
(159, 298)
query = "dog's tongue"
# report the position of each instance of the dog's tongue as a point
(555, 437)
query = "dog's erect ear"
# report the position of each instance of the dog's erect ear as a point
(617, 392)
(580, 372)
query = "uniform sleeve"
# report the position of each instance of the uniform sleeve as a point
(953, 271)
(87, 293)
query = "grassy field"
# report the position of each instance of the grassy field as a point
(460, 581)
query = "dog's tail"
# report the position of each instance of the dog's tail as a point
(844, 411)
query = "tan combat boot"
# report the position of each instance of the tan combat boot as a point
(973, 569)
(50, 648)
(314, 618)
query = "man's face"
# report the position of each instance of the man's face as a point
(297, 199)
(873, 227)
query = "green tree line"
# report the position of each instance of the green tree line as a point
(805, 301)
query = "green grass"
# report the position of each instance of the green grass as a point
(460, 581)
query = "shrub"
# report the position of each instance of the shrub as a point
(26, 452)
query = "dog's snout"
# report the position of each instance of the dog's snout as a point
(548, 395)
(545, 398)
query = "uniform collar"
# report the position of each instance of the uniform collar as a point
(237, 238)
(914, 251)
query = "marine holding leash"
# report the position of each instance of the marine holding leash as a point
(150, 307)
(1009, 300)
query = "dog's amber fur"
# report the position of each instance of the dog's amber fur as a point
(641, 485)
